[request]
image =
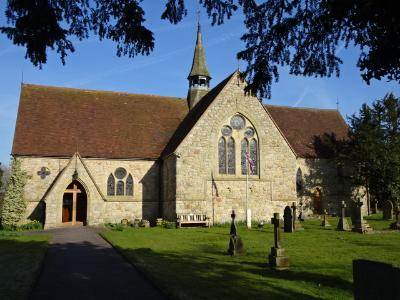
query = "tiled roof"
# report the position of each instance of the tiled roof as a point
(304, 127)
(56, 121)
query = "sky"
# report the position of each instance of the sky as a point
(94, 65)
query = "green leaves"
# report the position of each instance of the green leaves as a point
(14, 205)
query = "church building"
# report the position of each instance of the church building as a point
(96, 156)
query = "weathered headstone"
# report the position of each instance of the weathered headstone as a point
(325, 222)
(277, 259)
(396, 224)
(343, 225)
(288, 220)
(387, 210)
(235, 242)
(359, 224)
(296, 223)
(375, 280)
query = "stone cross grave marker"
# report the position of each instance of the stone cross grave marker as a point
(360, 225)
(277, 259)
(343, 225)
(235, 242)
(288, 220)
(325, 222)
(387, 210)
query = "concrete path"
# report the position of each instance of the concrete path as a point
(81, 265)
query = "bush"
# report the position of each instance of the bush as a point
(168, 225)
(115, 226)
(31, 225)
(13, 204)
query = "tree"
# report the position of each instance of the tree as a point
(373, 149)
(14, 204)
(302, 34)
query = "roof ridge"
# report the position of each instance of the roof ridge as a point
(96, 91)
(300, 108)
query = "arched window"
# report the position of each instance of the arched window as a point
(231, 156)
(129, 185)
(110, 185)
(120, 188)
(253, 157)
(237, 128)
(222, 156)
(244, 144)
(124, 185)
(299, 182)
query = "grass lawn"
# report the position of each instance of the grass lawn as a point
(20, 259)
(192, 263)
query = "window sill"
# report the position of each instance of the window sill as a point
(122, 199)
(236, 178)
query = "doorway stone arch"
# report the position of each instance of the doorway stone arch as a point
(75, 204)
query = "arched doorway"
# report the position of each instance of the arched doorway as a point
(317, 196)
(74, 208)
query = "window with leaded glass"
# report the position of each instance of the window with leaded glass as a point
(120, 188)
(231, 156)
(111, 185)
(299, 182)
(222, 156)
(253, 157)
(129, 185)
(244, 144)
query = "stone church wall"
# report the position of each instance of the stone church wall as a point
(200, 188)
(169, 187)
(44, 194)
(323, 174)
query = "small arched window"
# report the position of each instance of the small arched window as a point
(120, 188)
(222, 156)
(299, 182)
(111, 185)
(244, 144)
(253, 157)
(231, 156)
(129, 185)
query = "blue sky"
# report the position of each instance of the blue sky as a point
(94, 65)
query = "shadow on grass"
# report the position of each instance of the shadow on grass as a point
(188, 276)
(20, 261)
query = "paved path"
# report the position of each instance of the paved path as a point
(81, 265)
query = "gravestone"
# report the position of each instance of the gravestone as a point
(301, 217)
(288, 219)
(396, 224)
(325, 222)
(277, 259)
(387, 210)
(235, 242)
(359, 224)
(375, 280)
(343, 225)
(296, 223)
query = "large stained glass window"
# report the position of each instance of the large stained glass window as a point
(253, 157)
(222, 156)
(243, 149)
(111, 185)
(129, 185)
(231, 156)
(237, 144)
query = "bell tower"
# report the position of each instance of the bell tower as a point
(199, 77)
